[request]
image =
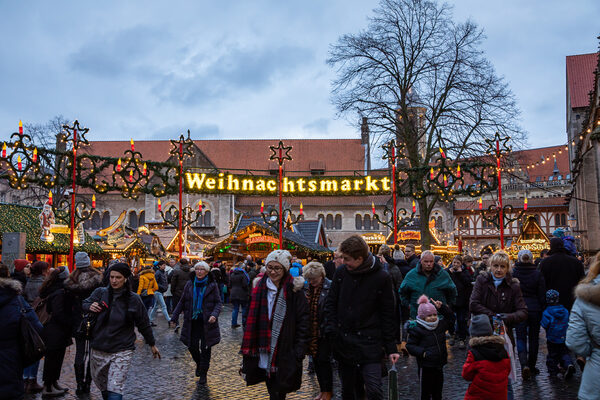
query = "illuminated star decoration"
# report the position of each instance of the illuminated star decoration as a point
(186, 144)
(388, 150)
(504, 146)
(81, 139)
(280, 153)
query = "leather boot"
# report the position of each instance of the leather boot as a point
(79, 377)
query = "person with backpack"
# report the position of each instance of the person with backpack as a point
(57, 330)
(80, 285)
(13, 307)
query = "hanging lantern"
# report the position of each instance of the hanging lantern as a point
(301, 209)
(119, 165)
(20, 127)
(159, 206)
(19, 163)
(200, 206)
(130, 176)
(145, 170)
(431, 173)
(525, 204)
(4, 150)
(132, 145)
(480, 204)
(458, 172)
(414, 207)
(50, 197)
(93, 201)
(34, 158)
(373, 207)
(262, 206)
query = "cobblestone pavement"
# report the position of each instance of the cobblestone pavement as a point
(173, 376)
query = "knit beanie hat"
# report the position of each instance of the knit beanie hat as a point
(20, 264)
(64, 273)
(525, 256)
(480, 325)
(552, 297)
(121, 268)
(425, 307)
(283, 257)
(82, 260)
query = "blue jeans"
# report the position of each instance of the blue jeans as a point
(234, 313)
(159, 300)
(31, 371)
(528, 333)
(148, 302)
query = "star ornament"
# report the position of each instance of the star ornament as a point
(81, 132)
(186, 144)
(504, 146)
(391, 150)
(281, 153)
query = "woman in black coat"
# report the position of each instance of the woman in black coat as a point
(464, 286)
(201, 306)
(57, 331)
(276, 334)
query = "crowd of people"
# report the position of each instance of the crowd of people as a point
(355, 315)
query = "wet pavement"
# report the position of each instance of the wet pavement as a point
(172, 377)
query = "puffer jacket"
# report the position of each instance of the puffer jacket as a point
(555, 320)
(532, 286)
(438, 286)
(506, 300)
(147, 282)
(429, 346)
(11, 367)
(583, 336)
(487, 368)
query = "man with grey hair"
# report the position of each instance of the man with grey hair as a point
(429, 279)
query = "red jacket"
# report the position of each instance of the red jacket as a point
(487, 366)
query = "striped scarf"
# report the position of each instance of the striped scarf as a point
(313, 301)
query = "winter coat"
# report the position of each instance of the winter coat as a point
(11, 366)
(583, 336)
(32, 289)
(429, 346)
(211, 307)
(179, 278)
(321, 302)
(114, 328)
(329, 269)
(413, 261)
(506, 300)
(87, 281)
(58, 330)
(555, 321)
(438, 286)
(404, 267)
(487, 368)
(360, 313)
(239, 285)
(161, 280)
(147, 282)
(292, 343)
(562, 273)
(533, 286)
(19, 276)
(464, 286)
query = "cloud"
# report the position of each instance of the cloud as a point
(236, 71)
(320, 125)
(119, 53)
(197, 131)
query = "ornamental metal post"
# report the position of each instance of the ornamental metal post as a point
(73, 188)
(278, 154)
(180, 199)
(394, 193)
(500, 208)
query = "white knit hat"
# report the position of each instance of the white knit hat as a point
(283, 257)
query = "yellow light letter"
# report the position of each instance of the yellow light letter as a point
(194, 180)
(371, 185)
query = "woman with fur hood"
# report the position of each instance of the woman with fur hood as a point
(80, 285)
(487, 366)
(583, 333)
(276, 334)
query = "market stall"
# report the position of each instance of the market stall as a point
(532, 237)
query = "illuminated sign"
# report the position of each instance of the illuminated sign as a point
(534, 245)
(373, 238)
(196, 182)
(261, 239)
(409, 235)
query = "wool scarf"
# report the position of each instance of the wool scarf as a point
(199, 289)
(428, 325)
(259, 332)
(314, 293)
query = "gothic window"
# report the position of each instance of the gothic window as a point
(358, 222)
(374, 224)
(338, 221)
(207, 217)
(367, 222)
(133, 220)
(142, 220)
(439, 223)
(329, 221)
(95, 221)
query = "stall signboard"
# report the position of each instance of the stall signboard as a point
(261, 239)
(373, 238)
(533, 245)
(409, 235)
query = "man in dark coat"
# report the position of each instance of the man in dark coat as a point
(239, 294)
(411, 257)
(179, 278)
(361, 319)
(562, 272)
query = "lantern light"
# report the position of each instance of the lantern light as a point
(4, 150)
(458, 172)
(19, 163)
(480, 204)
(445, 181)
(442, 152)
(431, 173)
(130, 176)
(145, 170)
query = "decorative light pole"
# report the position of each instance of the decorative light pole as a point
(180, 149)
(274, 217)
(280, 153)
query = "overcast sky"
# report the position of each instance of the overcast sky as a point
(247, 69)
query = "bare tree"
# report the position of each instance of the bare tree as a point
(421, 78)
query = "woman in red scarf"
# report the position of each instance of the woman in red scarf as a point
(276, 334)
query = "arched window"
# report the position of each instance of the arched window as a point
(133, 220)
(439, 223)
(105, 220)
(563, 219)
(374, 224)
(142, 221)
(338, 221)
(556, 219)
(87, 224)
(467, 223)
(329, 221)
(367, 222)
(358, 222)
(322, 217)
(96, 221)
(207, 217)
(461, 221)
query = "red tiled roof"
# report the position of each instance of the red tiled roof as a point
(516, 203)
(334, 154)
(580, 78)
(546, 169)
